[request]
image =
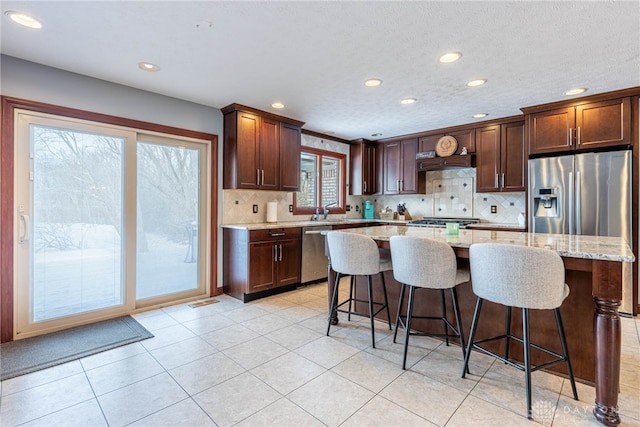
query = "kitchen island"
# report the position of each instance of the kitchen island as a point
(593, 271)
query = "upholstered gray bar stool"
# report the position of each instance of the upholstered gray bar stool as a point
(527, 278)
(426, 263)
(357, 255)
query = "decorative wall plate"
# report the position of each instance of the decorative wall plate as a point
(446, 146)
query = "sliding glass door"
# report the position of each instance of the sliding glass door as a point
(168, 218)
(107, 219)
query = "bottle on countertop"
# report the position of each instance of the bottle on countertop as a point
(368, 210)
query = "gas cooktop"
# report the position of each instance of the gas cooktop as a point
(441, 222)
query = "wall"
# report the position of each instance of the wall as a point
(450, 193)
(36, 82)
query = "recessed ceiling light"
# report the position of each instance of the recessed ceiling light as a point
(479, 115)
(408, 101)
(147, 66)
(450, 57)
(576, 91)
(277, 105)
(23, 19)
(376, 135)
(474, 83)
(373, 82)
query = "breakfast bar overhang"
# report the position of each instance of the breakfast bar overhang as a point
(593, 271)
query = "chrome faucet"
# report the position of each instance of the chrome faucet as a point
(315, 217)
(326, 208)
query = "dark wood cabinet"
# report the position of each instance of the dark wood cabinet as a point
(256, 262)
(290, 136)
(268, 160)
(501, 158)
(436, 163)
(400, 174)
(365, 167)
(583, 126)
(261, 150)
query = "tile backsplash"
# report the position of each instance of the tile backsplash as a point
(450, 193)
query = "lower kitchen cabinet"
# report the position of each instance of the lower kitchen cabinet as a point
(257, 263)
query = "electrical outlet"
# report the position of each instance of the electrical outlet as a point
(494, 209)
(255, 208)
(290, 208)
(357, 208)
(348, 208)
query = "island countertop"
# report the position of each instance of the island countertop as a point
(571, 246)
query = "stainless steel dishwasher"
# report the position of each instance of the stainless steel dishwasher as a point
(314, 260)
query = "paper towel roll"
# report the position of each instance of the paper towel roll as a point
(272, 212)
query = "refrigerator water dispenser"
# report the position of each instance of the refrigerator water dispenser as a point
(545, 203)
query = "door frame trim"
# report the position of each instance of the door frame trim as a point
(8, 105)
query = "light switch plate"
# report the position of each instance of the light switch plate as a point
(255, 208)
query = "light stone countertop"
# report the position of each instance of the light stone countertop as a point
(337, 221)
(511, 227)
(307, 223)
(572, 246)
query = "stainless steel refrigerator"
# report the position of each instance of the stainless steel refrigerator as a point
(586, 194)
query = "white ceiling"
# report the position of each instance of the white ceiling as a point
(314, 56)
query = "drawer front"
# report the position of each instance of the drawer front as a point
(274, 234)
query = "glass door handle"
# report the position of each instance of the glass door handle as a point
(25, 235)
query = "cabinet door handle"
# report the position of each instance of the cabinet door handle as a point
(280, 257)
(275, 253)
(495, 181)
(365, 186)
(262, 177)
(570, 137)
(579, 135)
(503, 180)
(257, 176)
(277, 234)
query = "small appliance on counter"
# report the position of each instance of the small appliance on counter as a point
(367, 210)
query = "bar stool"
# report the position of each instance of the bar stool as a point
(430, 264)
(524, 277)
(357, 255)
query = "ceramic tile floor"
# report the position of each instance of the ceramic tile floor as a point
(269, 363)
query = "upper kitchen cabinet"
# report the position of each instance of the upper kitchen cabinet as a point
(466, 138)
(365, 167)
(501, 158)
(581, 125)
(400, 166)
(290, 157)
(257, 146)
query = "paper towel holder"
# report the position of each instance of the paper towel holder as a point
(272, 212)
